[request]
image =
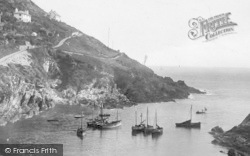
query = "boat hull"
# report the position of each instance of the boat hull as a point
(91, 124)
(188, 124)
(80, 132)
(138, 128)
(109, 125)
(148, 129)
(157, 130)
(198, 112)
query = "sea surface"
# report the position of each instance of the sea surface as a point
(227, 101)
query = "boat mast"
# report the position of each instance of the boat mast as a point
(81, 120)
(147, 116)
(191, 112)
(155, 117)
(117, 115)
(102, 111)
(135, 117)
(141, 117)
(93, 114)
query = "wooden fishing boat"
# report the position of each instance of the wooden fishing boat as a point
(202, 111)
(188, 123)
(53, 120)
(157, 129)
(79, 116)
(99, 119)
(108, 125)
(148, 128)
(105, 124)
(138, 127)
(80, 131)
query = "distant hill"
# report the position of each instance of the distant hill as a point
(64, 65)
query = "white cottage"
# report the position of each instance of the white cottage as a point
(54, 16)
(22, 15)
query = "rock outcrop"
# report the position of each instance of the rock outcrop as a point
(237, 138)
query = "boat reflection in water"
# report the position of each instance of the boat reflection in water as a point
(156, 136)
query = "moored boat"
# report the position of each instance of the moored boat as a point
(138, 127)
(99, 119)
(108, 125)
(80, 131)
(202, 111)
(157, 129)
(105, 124)
(148, 128)
(53, 120)
(79, 116)
(188, 123)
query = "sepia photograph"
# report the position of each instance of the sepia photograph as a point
(124, 78)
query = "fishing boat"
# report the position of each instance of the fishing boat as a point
(148, 128)
(188, 123)
(53, 120)
(136, 127)
(78, 116)
(80, 131)
(157, 129)
(202, 111)
(100, 118)
(105, 124)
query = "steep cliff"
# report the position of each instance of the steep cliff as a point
(63, 65)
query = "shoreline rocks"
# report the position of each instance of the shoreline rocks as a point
(237, 139)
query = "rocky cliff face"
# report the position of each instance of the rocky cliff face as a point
(237, 138)
(33, 81)
(24, 86)
(65, 65)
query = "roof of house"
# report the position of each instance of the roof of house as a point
(22, 12)
(55, 13)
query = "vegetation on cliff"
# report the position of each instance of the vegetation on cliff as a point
(65, 65)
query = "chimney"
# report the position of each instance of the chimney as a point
(16, 10)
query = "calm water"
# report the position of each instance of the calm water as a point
(227, 102)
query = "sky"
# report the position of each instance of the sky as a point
(159, 29)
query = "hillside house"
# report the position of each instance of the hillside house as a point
(23, 16)
(54, 16)
(26, 46)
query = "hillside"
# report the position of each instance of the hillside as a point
(47, 62)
